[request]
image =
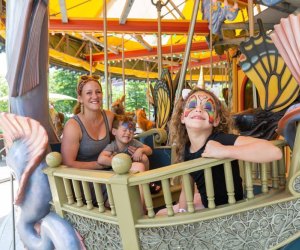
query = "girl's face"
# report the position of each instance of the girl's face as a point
(91, 96)
(200, 108)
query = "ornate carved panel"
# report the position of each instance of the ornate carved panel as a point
(255, 229)
(96, 234)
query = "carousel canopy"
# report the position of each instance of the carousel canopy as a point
(76, 34)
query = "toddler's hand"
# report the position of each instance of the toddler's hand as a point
(131, 150)
(137, 155)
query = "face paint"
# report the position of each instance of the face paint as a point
(206, 103)
(129, 125)
(190, 105)
(209, 108)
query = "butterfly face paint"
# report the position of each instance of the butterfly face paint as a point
(190, 105)
(129, 125)
(204, 101)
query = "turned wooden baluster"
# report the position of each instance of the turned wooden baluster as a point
(78, 194)
(69, 192)
(99, 197)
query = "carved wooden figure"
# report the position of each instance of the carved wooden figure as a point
(26, 145)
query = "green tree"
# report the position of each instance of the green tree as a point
(136, 95)
(63, 82)
(3, 92)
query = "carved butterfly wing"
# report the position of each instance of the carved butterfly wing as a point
(162, 100)
(261, 62)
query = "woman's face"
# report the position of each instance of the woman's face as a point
(200, 108)
(91, 96)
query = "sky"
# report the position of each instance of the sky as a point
(3, 66)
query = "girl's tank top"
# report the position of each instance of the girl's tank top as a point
(89, 149)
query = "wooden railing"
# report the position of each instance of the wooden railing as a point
(72, 193)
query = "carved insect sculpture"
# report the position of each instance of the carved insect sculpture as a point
(26, 145)
(276, 87)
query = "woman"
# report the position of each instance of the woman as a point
(87, 133)
(200, 127)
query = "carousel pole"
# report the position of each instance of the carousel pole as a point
(123, 69)
(13, 211)
(210, 46)
(105, 55)
(190, 68)
(148, 84)
(187, 49)
(91, 58)
(172, 57)
(159, 5)
(251, 33)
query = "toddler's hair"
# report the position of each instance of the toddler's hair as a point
(121, 118)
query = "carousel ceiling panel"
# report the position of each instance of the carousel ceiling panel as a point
(77, 8)
(76, 28)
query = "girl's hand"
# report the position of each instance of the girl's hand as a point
(215, 149)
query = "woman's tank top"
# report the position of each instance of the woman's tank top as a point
(89, 149)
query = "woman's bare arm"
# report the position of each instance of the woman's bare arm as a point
(70, 145)
(105, 158)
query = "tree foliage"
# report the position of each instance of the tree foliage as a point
(3, 92)
(63, 82)
(136, 95)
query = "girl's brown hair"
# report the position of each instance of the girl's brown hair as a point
(178, 133)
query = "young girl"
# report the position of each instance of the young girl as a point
(200, 127)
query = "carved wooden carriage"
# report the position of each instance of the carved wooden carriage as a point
(268, 217)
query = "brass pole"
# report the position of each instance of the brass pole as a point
(251, 33)
(123, 69)
(210, 45)
(159, 5)
(91, 58)
(187, 49)
(105, 55)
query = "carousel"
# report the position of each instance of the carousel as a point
(249, 48)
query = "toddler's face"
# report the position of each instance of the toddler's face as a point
(200, 101)
(125, 132)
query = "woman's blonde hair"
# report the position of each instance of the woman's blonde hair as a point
(178, 133)
(82, 80)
